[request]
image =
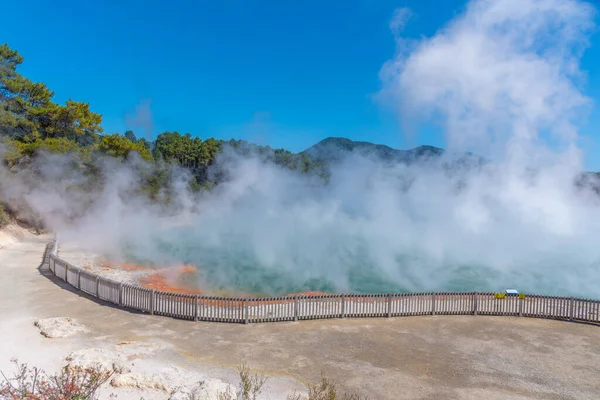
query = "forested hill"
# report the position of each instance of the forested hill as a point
(334, 148)
(32, 122)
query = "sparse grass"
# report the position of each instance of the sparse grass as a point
(325, 390)
(194, 393)
(249, 387)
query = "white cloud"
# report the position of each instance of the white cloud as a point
(503, 70)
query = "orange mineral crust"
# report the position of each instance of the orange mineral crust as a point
(125, 266)
(169, 279)
(164, 278)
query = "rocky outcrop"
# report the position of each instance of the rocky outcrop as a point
(142, 381)
(59, 327)
(119, 358)
(134, 369)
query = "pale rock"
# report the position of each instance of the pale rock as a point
(141, 381)
(59, 327)
(118, 358)
(106, 359)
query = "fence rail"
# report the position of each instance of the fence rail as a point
(295, 308)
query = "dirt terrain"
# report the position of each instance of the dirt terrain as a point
(434, 357)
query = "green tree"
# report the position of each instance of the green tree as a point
(74, 120)
(209, 151)
(145, 143)
(185, 150)
(119, 146)
(28, 113)
(15, 92)
(54, 145)
(130, 136)
(9, 61)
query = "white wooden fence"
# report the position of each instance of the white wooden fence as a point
(295, 308)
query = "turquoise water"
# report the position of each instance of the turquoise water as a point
(236, 269)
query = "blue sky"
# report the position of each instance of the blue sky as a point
(284, 73)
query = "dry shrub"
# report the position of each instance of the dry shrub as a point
(78, 383)
(249, 387)
(194, 393)
(325, 390)
(71, 383)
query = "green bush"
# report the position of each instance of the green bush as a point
(4, 217)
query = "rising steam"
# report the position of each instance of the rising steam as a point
(501, 79)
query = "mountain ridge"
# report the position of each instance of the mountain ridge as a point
(334, 148)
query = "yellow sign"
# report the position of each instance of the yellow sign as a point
(503, 295)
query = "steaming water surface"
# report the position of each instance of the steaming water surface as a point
(352, 265)
(374, 228)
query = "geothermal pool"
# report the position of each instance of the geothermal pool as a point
(236, 269)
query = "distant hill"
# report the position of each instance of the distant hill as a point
(335, 148)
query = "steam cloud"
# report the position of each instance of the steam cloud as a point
(501, 79)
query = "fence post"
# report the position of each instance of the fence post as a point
(389, 299)
(343, 306)
(121, 294)
(152, 299)
(475, 299)
(66, 269)
(571, 309)
(246, 312)
(79, 279)
(295, 308)
(521, 299)
(196, 308)
(433, 304)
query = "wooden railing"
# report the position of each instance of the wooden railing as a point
(295, 308)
